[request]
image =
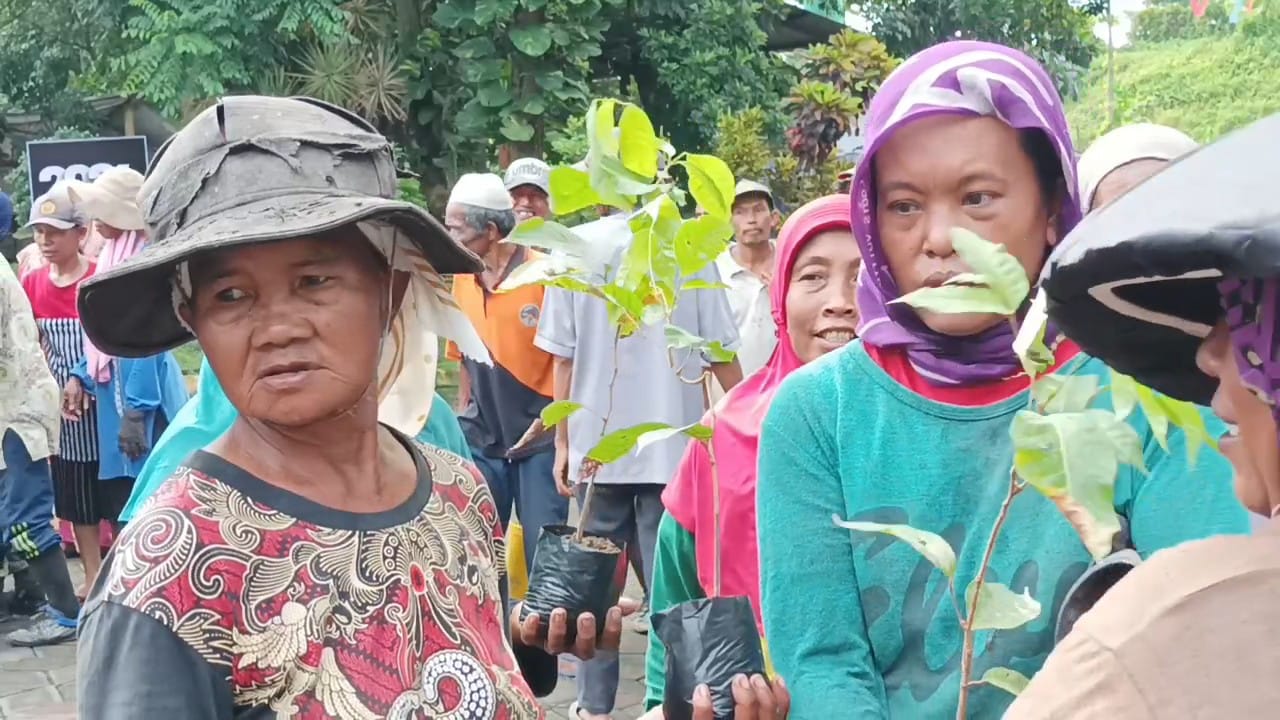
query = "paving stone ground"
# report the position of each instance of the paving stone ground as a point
(40, 683)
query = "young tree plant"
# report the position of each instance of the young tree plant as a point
(630, 169)
(1063, 448)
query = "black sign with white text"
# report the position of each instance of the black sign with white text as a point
(54, 160)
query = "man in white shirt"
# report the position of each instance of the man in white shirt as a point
(747, 269)
(30, 422)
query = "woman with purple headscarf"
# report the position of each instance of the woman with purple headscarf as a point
(911, 424)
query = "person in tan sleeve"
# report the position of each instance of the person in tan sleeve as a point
(1177, 283)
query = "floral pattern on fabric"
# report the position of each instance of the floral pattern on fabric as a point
(316, 622)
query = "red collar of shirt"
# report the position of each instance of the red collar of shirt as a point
(894, 362)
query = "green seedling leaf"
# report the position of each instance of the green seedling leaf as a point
(1065, 393)
(549, 235)
(680, 339)
(638, 143)
(650, 251)
(936, 550)
(1010, 681)
(1034, 355)
(571, 191)
(711, 182)
(600, 129)
(1161, 411)
(1124, 440)
(1071, 459)
(558, 411)
(697, 431)
(997, 284)
(699, 242)
(617, 444)
(999, 608)
(1000, 271)
(955, 299)
(624, 180)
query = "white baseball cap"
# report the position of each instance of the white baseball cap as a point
(529, 171)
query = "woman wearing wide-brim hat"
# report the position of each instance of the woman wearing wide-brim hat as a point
(313, 561)
(1177, 283)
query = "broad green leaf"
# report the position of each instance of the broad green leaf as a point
(699, 242)
(955, 299)
(571, 191)
(638, 143)
(550, 235)
(487, 11)
(697, 431)
(473, 48)
(600, 127)
(1124, 394)
(934, 549)
(516, 129)
(1123, 438)
(703, 285)
(999, 608)
(494, 94)
(1010, 681)
(1034, 355)
(448, 15)
(617, 444)
(1187, 417)
(558, 411)
(1001, 271)
(650, 251)
(532, 40)
(1070, 459)
(1064, 393)
(623, 179)
(711, 182)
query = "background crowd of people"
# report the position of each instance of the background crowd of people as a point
(318, 533)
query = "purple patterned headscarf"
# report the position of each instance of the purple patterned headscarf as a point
(1253, 314)
(965, 78)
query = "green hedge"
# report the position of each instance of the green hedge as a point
(1204, 87)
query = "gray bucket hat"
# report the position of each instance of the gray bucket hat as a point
(248, 170)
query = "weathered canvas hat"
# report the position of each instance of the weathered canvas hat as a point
(251, 169)
(1135, 284)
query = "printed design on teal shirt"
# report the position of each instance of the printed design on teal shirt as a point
(930, 632)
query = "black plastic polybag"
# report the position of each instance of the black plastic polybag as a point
(570, 576)
(708, 642)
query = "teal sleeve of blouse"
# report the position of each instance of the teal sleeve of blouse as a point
(809, 589)
(443, 429)
(675, 580)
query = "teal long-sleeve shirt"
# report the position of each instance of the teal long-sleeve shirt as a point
(209, 414)
(860, 625)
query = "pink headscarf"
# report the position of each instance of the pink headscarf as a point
(736, 420)
(114, 252)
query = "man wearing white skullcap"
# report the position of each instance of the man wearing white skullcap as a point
(499, 405)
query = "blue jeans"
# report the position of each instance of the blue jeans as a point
(529, 485)
(620, 512)
(26, 501)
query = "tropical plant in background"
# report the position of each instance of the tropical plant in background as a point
(1065, 447)
(839, 79)
(634, 171)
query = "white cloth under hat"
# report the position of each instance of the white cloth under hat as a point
(482, 190)
(1130, 143)
(529, 171)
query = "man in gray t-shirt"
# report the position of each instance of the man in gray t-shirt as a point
(627, 503)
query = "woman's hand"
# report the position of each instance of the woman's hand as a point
(74, 400)
(584, 645)
(754, 699)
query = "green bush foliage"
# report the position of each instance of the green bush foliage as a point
(1161, 23)
(1204, 87)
